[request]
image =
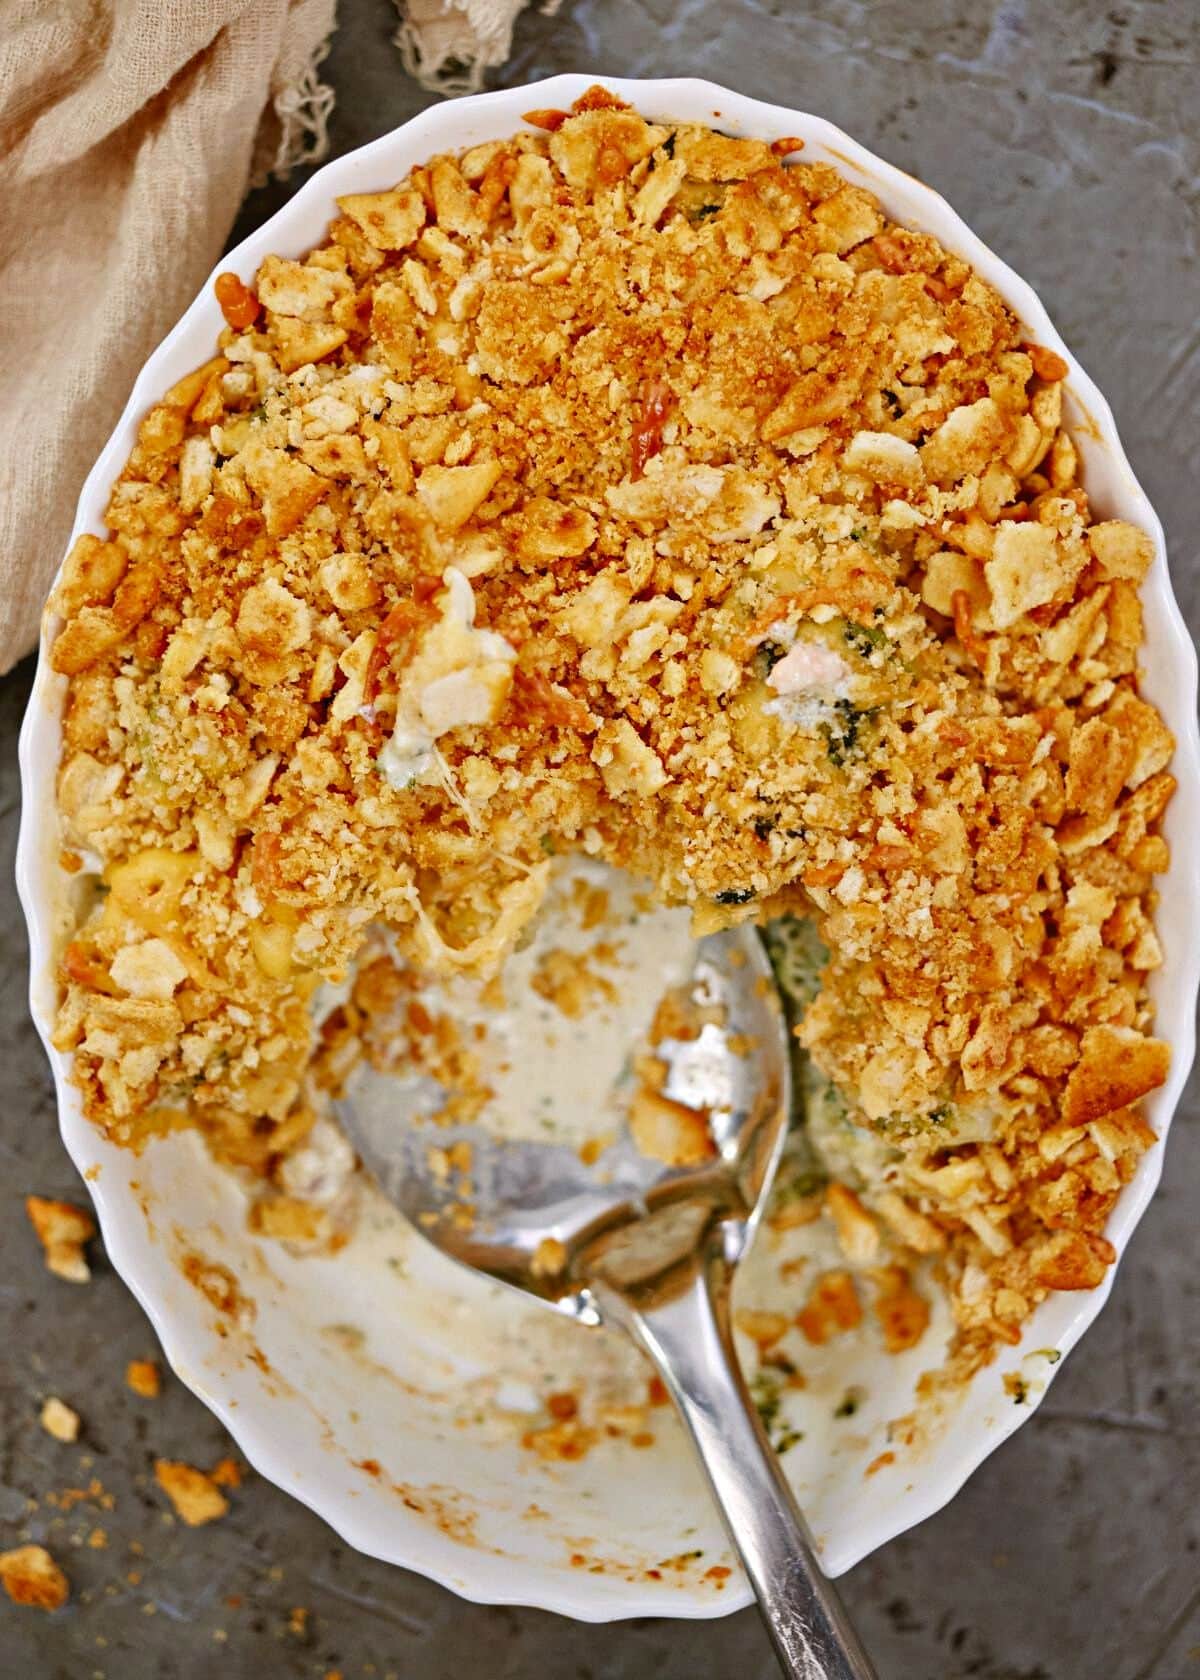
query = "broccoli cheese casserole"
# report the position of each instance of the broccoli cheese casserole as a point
(627, 489)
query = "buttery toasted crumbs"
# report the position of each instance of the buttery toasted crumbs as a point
(59, 1420)
(144, 1378)
(833, 1305)
(94, 1493)
(669, 1131)
(624, 487)
(903, 1313)
(763, 1328)
(31, 1576)
(569, 981)
(196, 1497)
(227, 1472)
(62, 1229)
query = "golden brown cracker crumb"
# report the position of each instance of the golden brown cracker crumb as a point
(31, 1576)
(227, 1472)
(857, 1233)
(289, 1219)
(832, 1306)
(902, 1312)
(62, 1229)
(144, 1378)
(1116, 1066)
(195, 1496)
(568, 980)
(668, 1131)
(763, 1328)
(94, 1493)
(59, 1419)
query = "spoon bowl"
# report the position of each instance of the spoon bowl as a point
(545, 1217)
(646, 1236)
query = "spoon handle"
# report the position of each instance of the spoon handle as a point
(689, 1338)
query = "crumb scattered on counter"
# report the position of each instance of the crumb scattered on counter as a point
(30, 1576)
(60, 1420)
(196, 1497)
(94, 1493)
(62, 1229)
(144, 1377)
(227, 1472)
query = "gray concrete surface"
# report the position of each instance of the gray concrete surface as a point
(1065, 132)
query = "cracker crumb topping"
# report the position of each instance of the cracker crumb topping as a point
(624, 487)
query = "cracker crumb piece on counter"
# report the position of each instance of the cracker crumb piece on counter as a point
(94, 1493)
(144, 1377)
(31, 1576)
(227, 1473)
(60, 1420)
(643, 494)
(194, 1494)
(62, 1229)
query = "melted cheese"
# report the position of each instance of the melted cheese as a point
(460, 677)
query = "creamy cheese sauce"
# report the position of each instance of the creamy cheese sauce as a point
(559, 1077)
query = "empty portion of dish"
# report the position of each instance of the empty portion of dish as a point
(624, 488)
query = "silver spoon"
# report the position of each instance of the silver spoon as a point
(630, 1241)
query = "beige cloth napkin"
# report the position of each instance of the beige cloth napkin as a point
(128, 133)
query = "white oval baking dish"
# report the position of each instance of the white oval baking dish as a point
(358, 1383)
